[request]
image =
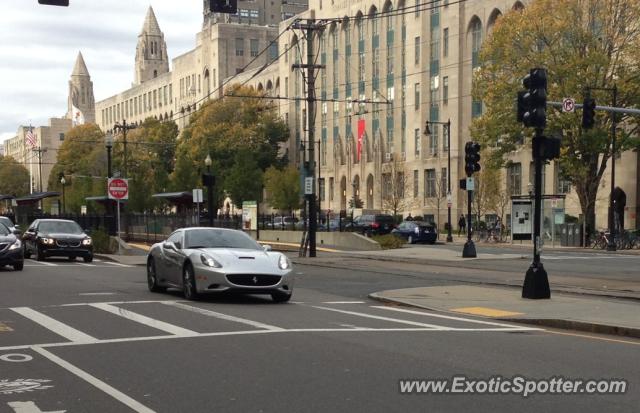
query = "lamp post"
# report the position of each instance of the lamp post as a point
(208, 182)
(63, 182)
(108, 143)
(427, 132)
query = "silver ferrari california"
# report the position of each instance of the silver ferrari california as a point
(201, 260)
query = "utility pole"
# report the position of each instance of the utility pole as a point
(124, 128)
(310, 27)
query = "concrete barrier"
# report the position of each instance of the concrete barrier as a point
(339, 240)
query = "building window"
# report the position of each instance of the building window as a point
(320, 189)
(416, 96)
(416, 183)
(155, 100)
(330, 189)
(445, 42)
(514, 179)
(286, 53)
(430, 190)
(165, 95)
(417, 51)
(443, 182)
(563, 184)
(253, 45)
(61, 136)
(476, 42)
(445, 90)
(416, 142)
(400, 185)
(239, 47)
(273, 51)
(254, 14)
(417, 7)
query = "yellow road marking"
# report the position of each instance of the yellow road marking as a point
(5, 328)
(485, 312)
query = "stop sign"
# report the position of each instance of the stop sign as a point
(118, 188)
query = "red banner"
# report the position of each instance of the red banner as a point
(361, 131)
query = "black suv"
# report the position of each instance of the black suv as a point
(368, 225)
(57, 238)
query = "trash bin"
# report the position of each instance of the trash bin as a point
(564, 235)
(577, 235)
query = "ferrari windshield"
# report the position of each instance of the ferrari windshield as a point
(219, 238)
(59, 227)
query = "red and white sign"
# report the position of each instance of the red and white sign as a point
(118, 188)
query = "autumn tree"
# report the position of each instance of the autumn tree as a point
(395, 187)
(582, 44)
(283, 188)
(14, 177)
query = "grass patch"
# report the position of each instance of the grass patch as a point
(389, 241)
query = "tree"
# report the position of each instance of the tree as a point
(14, 177)
(488, 191)
(244, 181)
(581, 43)
(222, 128)
(395, 187)
(82, 160)
(283, 188)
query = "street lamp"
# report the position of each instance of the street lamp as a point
(427, 132)
(208, 181)
(63, 182)
(108, 143)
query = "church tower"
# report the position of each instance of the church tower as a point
(151, 52)
(81, 93)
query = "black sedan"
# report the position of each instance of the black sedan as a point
(57, 238)
(417, 231)
(11, 252)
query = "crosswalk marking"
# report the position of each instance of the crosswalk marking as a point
(377, 317)
(54, 325)
(221, 316)
(151, 322)
(117, 264)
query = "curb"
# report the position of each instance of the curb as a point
(107, 258)
(543, 322)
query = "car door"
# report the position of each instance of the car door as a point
(172, 258)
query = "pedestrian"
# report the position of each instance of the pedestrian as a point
(498, 229)
(409, 217)
(462, 225)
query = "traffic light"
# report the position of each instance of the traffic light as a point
(549, 148)
(223, 6)
(64, 3)
(471, 158)
(588, 113)
(532, 103)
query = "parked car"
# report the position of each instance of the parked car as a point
(379, 224)
(57, 238)
(223, 259)
(15, 229)
(417, 231)
(283, 223)
(11, 249)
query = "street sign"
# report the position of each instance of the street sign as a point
(470, 184)
(197, 196)
(118, 188)
(83, 210)
(568, 105)
(308, 185)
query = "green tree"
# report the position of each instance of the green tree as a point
(244, 181)
(14, 177)
(581, 43)
(82, 160)
(222, 128)
(283, 188)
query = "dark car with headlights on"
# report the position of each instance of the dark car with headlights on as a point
(11, 252)
(211, 260)
(416, 231)
(57, 238)
(9, 224)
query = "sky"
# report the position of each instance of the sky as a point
(39, 45)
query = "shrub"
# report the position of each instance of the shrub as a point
(101, 241)
(389, 241)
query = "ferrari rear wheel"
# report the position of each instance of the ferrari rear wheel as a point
(189, 283)
(152, 279)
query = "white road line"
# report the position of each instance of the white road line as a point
(48, 264)
(86, 265)
(117, 264)
(143, 319)
(447, 317)
(54, 325)
(343, 302)
(94, 381)
(377, 317)
(97, 294)
(111, 302)
(222, 316)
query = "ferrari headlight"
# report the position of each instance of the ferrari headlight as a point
(209, 261)
(86, 241)
(15, 245)
(283, 263)
(48, 241)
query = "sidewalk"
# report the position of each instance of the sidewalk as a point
(562, 311)
(422, 255)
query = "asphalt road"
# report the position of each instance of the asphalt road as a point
(91, 338)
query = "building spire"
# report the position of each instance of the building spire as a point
(151, 25)
(80, 68)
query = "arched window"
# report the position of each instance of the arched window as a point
(476, 41)
(155, 73)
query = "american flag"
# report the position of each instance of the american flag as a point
(30, 139)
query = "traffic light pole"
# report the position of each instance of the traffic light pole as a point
(536, 282)
(469, 250)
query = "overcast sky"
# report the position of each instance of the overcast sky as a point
(39, 45)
